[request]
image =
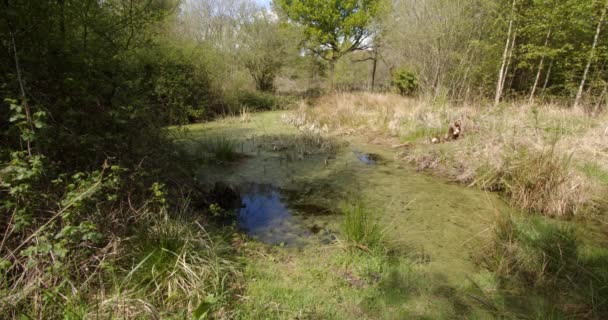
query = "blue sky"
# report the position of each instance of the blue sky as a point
(263, 2)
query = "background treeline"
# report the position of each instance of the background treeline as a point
(457, 49)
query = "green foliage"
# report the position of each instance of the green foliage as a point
(333, 28)
(405, 81)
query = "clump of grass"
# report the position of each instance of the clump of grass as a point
(304, 143)
(169, 267)
(178, 268)
(550, 259)
(360, 227)
(221, 149)
(538, 181)
(245, 114)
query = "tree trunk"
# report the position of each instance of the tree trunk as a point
(540, 68)
(506, 73)
(332, 75)
(579, 94)
(547, 76)
(501, 71)
(375, 63)
(26, 107)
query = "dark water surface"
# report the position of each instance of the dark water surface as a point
(265, 215)
(368, 158)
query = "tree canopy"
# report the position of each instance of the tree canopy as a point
(333, 28)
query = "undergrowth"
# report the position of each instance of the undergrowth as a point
(549, 259)
(537, 181)
(528, 152)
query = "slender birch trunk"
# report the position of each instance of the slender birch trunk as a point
(547, 76)
(579, 94)
(506, 72)
(540, 69)
(26, 107)
(501, 71)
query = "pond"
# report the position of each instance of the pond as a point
(290, 195)
(266, 216)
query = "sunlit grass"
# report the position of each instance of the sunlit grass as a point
(360, 226)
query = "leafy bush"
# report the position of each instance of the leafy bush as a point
(405, 81)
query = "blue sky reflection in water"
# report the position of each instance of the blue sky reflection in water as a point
(265, 216)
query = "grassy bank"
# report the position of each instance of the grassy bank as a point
(548, 263)
(545, 159)
(159, 264)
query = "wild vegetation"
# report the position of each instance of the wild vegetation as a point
(539, 156)
(112, 205)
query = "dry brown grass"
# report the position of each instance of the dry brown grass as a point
(557, 142)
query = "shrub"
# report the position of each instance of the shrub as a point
(405, 81)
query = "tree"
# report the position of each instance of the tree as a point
(263, 50)
(333, 28)
(592, 53)
(502, 72)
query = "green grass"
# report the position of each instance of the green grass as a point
(178, 266)
(594, 171)
(359, 226)
(221, 149)
(547, 262)
(421, 132)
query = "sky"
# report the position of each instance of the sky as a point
(265, 3)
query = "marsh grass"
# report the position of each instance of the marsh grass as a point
(595, 171)
(178, 268)
(300, 144)
(549, 259)
(220, 149)
(360, 227)
(526, 151)
(537, 181)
